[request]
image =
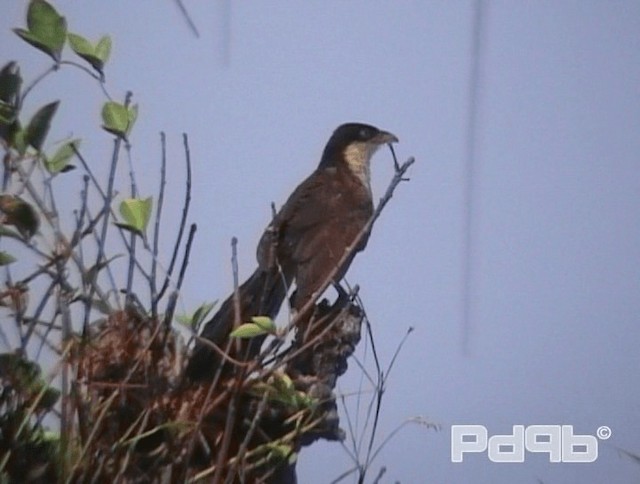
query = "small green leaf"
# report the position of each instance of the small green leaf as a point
(265, 323)
(49, 398)
(6, 232)
(279, 451)
(59, 162)
(184, 319)
(47, 29)
(201, 313)
(132, 115)
(39, 125)
(115, 118)
(302, 400)
(9, 123)
(10, 82)
(94, 55)
(103, 49)
(6, 259)
(50, 436)
(247, 330)
(20, 214)
(29, 38)
(195, 320)
(91, 275)
(80, 45)
(19, 139)
(136, 213)
(7, 113)
(282, 381)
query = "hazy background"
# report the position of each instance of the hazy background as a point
(553, 332)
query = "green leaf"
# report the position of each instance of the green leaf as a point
(201, 313)
(282, 381)
(103, 49)
(96, 56)
(278, 451)
(247, 330)
(132, 115)
(91, 275)
(59, 162)
(9, 124)
(80, 45)
(47, 29)
(19, 139)
(10, 82)
(50, 436)
(196, 319)
(6, 232)
(20, 214)
(39, 125)
(49, 398)
(302, 401)
(293, 457)
(136, 213)
(35, 41)
(265, 323)
(184, 319)
(115, 118)
(7, 113)
(6, 258)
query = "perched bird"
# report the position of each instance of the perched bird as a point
(304, 242)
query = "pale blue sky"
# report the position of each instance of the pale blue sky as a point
(556, 289)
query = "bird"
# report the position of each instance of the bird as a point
(305, 242)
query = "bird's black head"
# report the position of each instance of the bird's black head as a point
(353, 144)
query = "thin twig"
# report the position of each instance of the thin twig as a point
(66, 419)
(187, 17)
(105, 225)
(231, 410)
(133, 236)
(89, 230)
(82, 68)
(168, 318)
(156, 230)
(183, 220)
(36, 315)
(187, 252)
(33, 84)
(378, 400)
(248, 436)
(59, 237)
(97, 77)
(237, 317)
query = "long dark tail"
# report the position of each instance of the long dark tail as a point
(261, 294)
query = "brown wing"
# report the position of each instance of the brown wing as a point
(321, 218)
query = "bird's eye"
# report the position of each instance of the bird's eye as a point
(364, 133)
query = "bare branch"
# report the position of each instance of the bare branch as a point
(183, 220)
(187, 17)
(156, 229)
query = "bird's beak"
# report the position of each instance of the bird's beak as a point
(384, 137)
